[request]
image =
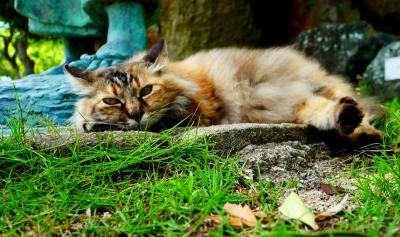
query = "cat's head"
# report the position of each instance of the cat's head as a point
(133, 95)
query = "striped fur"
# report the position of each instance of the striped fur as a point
(224, 86)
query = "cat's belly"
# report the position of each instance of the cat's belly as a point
(265, 103)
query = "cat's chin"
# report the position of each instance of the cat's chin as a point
(101, 126)
(131, 126)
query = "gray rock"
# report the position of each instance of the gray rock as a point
(305, 163)
(374, 75)
(276, 152)
(63, 139)
(231, 138)
(225, 139)
(48, 97)
(344, 49)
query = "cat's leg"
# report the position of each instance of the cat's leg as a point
(350, 126)
(343, 115)
(365, 133)
(351, 117)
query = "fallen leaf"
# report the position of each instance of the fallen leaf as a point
(243, 213)
(243, 190)
(294, 208)
(330, 190)
(235, 221)
(211, 221)
(334, 210)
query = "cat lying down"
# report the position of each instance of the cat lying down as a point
(219, 86)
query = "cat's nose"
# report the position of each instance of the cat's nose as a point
(135, 114)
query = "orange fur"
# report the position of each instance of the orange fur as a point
(223, 86)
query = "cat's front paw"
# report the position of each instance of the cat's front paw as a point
(350, 115)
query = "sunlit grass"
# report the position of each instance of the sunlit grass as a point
(379, 182)
(163, 184)
(166, 186)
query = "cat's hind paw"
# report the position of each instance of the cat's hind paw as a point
(350, 115)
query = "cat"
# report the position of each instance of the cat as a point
(219, 86)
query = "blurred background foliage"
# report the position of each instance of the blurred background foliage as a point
(190, 26)
(23, 53)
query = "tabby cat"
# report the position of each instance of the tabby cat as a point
(219, 86)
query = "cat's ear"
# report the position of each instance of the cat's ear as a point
(80, 79)
(156, 53)
(83, 76)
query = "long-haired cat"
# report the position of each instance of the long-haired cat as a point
(220, 86)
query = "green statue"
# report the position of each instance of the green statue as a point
(48, 95)
(79, 21)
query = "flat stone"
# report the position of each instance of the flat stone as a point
(226, 139)
(276, 152)
(231, 138)
(65, 139)
(307, 164)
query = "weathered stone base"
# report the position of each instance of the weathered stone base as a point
(275, 152)
(308, 164)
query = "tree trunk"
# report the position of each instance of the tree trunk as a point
(191, 25)
(22, 46)
(11, 58)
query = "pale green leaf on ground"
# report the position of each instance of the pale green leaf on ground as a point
(294, 208)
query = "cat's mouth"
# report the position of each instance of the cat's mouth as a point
(100, 126)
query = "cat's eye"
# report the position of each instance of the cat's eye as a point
(146, 90)
(111, 101)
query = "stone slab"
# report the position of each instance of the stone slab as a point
(272, 152)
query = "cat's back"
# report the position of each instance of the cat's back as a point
(276, 78)
(253, 65)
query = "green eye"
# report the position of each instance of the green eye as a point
(111, 101)
(146, 90)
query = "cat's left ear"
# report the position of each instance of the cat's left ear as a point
(80, 79)
(156, 54)
(83, 76)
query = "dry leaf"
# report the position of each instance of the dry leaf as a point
(244, 213)
(235, 221)
(294, 208)
(334, 210)
(211, 221)
(330, 190)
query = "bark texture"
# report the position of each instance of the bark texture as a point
(22, 47)
(191, 25)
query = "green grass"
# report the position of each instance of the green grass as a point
(379, 183)
(166, 186)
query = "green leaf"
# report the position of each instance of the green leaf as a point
(294, 208)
